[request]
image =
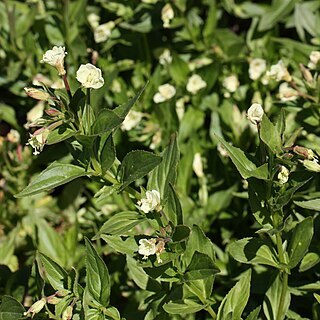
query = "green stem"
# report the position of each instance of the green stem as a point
(202, 299)
(284, 277)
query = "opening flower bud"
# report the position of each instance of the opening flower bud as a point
(255, 113)
(37, 94)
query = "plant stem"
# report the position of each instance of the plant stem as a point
(284, 277)
(67, 86)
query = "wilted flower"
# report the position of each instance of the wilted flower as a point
(257, 67)
(197, 165)
(165, 57)
(147, 247)
(195, 83)
(255, 113)
(279, 72)
(231, 83)
(37, 94)
(13, 136)
(90, 76)
(150, 202)
(222, 150)
(305, 152)
(55, 58)
(165, 92)
(314, 59)
(156, 139)
(286, 93)
(36, 307)
(283, 175)
(38, 140)
(93, 20)
(103, 31)
(131, 120)
(159, 249)
(167, 14)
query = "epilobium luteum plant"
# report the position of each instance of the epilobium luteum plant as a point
(182, 224)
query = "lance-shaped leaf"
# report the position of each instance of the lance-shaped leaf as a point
(253, 251)
(55, 274)
(313, 204)
(299, 244)
(61, 133)
(55, 175)
(136, 164)
(270, 135)
(166, 172)
(97, 279)
(245, 167)
(183, 306)
(106, 121)
(235, 301)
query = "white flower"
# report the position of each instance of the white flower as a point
(231, 83)
(103, 31)
(197, 165)
(151, 202)
(180, 106)
(286, 93)
(255, 113)
(90, 76)
(314, 59)
(311, 165)
(283, 175)
(93, 20)
(159, 249)
(279, 72)
(257, 67)
(38, 140)
(199, 63)
(147, 247)
(36, 307)
(167, 14)
(115, 86)
(165, 57)
(131, 120)
(55, 58)
(165, 92)
(195, 83)
(156, 140)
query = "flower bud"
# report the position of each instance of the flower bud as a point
(37, 94)
(52, 112)
(53, 299)
(13, 136)
(304, 152)
(36, 307)
(67, 313)
(255, 113)
(311, 165)
(306, 73)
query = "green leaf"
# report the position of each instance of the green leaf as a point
(106, 121)
(136, 164)
(299, 244)
(253, 251)
(62, 133)
(140, 277)
(107, 153)
(237, 298)
(272, 300)
(270, 135)
(121, 244)
(55, 274)
(173, 207)
(120, 223)
(124, 109)
(55, 175)
(181, 233)
(166, 172)
(245, 167)
(313, 204)
(97, 279)
(178, 69)
(10, 308)
(254, 314)
(200, 267)
(183, 306)
(310, 260)
(8, 115)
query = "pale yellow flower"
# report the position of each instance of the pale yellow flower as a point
(195, 83)
(90, 76)
(55, 57)
(165, 92)
(255, 113)
(257, 67)
(150, 202)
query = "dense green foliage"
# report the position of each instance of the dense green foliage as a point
(153, 191)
